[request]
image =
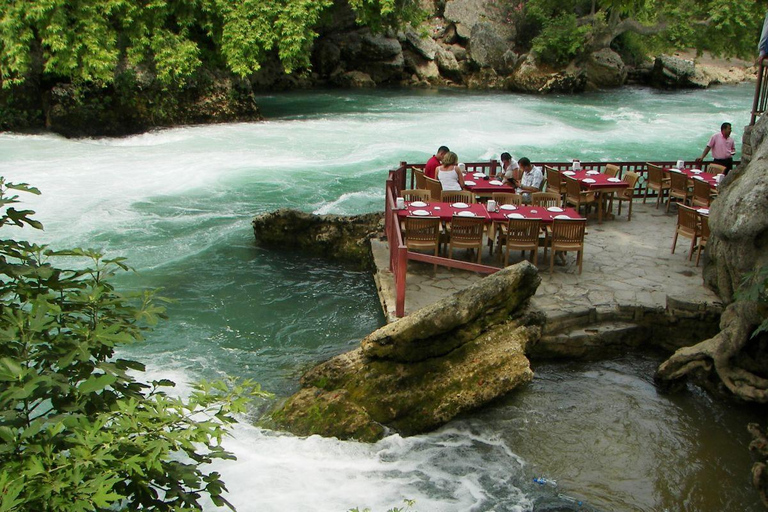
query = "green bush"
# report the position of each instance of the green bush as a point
(560, 41)
(77, 431)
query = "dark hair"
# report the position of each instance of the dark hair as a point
(724, 126)
(505, 156)
(443, 149)
(524, 162)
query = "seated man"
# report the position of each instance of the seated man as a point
(434, 162)
(531, 180)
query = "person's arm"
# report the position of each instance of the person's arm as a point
(762, 46)
(460, 175)
(704, 154)
(537, 178)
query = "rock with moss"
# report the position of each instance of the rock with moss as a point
(418, 373)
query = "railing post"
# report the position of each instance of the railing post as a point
(759, 99)
(400, 273)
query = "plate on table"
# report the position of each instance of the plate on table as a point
(700, 178)
(460, 205)
(478, 175)
(515, 216)
(696, 171)
(593, 172)
(563, 216)
(420, 213)
(466, 214)
(510, 207)
(495, 182)
(569, 173)
(470, 183)
(675, 169)
(418, 204)
(588, 180)
(554, 209)
(614, 180)
(704, 211)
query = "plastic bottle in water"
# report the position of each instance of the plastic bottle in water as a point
(544, 481)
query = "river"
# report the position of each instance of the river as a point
(178, 204)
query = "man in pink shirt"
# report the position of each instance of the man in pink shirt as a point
(722, 147)
(434, 162)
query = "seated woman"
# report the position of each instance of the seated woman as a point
(510, 170)
(449, 174)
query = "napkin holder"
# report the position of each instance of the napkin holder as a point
(491, 205)
(400, 203)
(576, 165)
(680, 164)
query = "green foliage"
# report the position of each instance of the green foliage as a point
(560, 41)
(91, 41)
(77, 431)
(754, 288)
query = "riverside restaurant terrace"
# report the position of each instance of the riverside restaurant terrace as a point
(627, 235)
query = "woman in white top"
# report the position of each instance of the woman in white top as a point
(449, 174)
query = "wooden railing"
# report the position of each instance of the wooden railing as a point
(760, 102)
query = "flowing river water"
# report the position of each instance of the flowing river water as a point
(178, 204)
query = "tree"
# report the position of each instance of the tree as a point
(77, 431)
(93, 40)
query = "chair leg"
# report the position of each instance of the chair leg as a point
(690, 252)
(629, 216)
(698, 252)
(506, 256)
(581, 259)
(535, 255)
(552, 262)
(480, 253)
(674, 242)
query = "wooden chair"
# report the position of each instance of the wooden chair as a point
(612, 170)
(556, 183)
(521, 235)
(656, 181)
(546, 199)
(466, 233)
(416, 195)
(567, 235)
(715, 169)
(420, 178)
(704, 236)
(575, 196)
(507, 198)
(687, 226)
(457, 196)
(628, 194)
(434, 188)
(702, 194)
(678, 188)
(422, 233)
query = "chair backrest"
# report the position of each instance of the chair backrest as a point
(612, 170)
(507, 198)
(678, 182)
(457, 196)
(555, 179)
(434, 187)
(416, 195)
(631, 180)
(422, 230)
(715, 169)
(546, 199)
(523, 231)
(704, 227)
(569, 231)
(655, 174)
(687, 218)
(420, 178)
(467, 230)
(572, 189)
(701, 192)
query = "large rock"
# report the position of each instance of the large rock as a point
(343, 238)
(468, 13)
(671, 72)
(487, 48)
(426, 70)
(420, 372)
(605, 69)
(424, 46)
(529, 77)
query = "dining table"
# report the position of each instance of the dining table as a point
(483, 185)
(445, 211)
(698, 174)
(598, 182)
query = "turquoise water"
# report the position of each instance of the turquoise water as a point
(178, 204)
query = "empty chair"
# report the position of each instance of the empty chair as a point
(457, 196)
(703, 236)
(628, 194)
(466, 233)
(702, 193)
(567, 235)
(575, 196)
(555, 180)
(422, 233)
(715, 169)
(546, 199)
(687, 226)
(434, 188)
(416, 195)
(656, 181)
(420, 178)
(521, 235)
(678, 188)
(507, 198)
(612, 170)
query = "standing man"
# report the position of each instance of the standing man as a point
(722, 147)
(434, 162)
(762, 46)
